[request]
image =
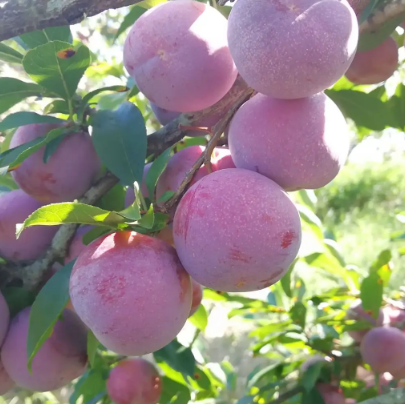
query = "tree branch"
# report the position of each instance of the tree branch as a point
(31, 273)
(20, 16)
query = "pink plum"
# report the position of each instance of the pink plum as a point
(61, 359)
(130, 272)
(299, 144)
(282, 48)
(134, 381)
(15, 207)
(68, 173)
(4, 318)
(6, 384)
(236, 230)
(77, 246)
(330, 394)
(177, 53)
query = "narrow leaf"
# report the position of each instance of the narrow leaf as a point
(156, 170)
(92, 345)
(26, 118)
(46, 309)
(148, 219)
(200, 318)
(9, 55)
(371, 294)
(57, 66)
(120, 140)
(35, 38)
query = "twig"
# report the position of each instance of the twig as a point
(205, 157)
(380, 16)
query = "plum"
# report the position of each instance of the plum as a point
(61, 359)
(76, 245)
(134, 381)
(375, 65)
(68, 173)
(236, 230)
(129, 272)
(283, 49)
(15, 207)
(197, 297)
(299, 144)
(4, 318)
(6, 384)
(394, 317)
(356, 312)
(330, 394)
(177, 53)
(383, 348)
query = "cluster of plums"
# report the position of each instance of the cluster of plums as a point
(235, 229)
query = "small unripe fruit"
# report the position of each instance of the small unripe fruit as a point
(15, 207)
(383, 348)
(177, 53)
(299, 144)
(375, 65)
(68, 173)
(236, 230)
(61, 359)
(283, 49)
(130, 271)
(134, 381)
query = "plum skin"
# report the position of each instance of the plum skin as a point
(134, 381)
(61, 359)
(383, 348)
(330, 394)
(177, 53)
(375, 65)
(130, 271)
(68, 173)
(15, 207)
(236, 230)
(282, 49)
(6, 383)
(299, 144)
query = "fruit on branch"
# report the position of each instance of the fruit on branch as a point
(134, 381)
(197, 297)
(356, 312)
(6, 384)
(177, 53)
(183, 161)
(76, 245)
(383, 348)
(299, 144)
(394, 316)
(375, 65)
(4, 318)
(282, 48)
(129, 271)
(330, 394)
(164, 117)
(15, 207)
(236, 230)
(61, 359)
(68, 173)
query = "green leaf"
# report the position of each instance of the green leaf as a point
(46, 309)
(14, 157)
(312, 397)
(200, 318)
(95, 233)
(311, 376)
(9, 55)
(370, 40)
(12, 91)
(286, 280)
(26, 118)
(52, 146)
(35, 38)
(92, 345)
(57, 67)
(298, 314)
(155, 171)
(120, 140)
(166, 196)
(57, 107)
(148, 219)
(18, 299)
(92, 385)
(178, 357)
(135, 12)
(368, 10)
(364, 109)
(371, 294)
(174, 392)
(114, 199)
(72, 212)
(132, 212)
